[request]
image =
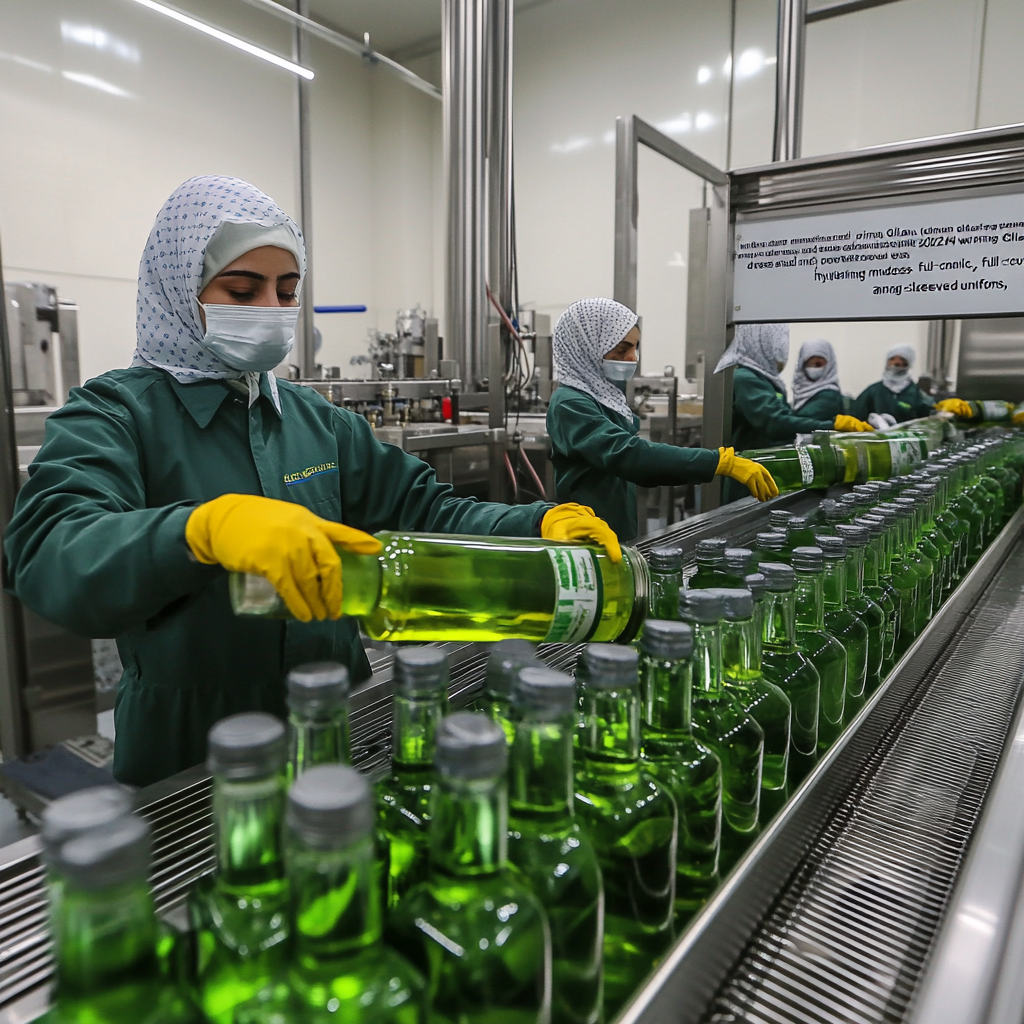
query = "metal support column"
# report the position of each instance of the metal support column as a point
(465, 98)
(304, 334)
(789, 79)
(14, 730)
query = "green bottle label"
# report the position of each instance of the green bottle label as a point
(994, 410)
(577, 595)
(806, 466)
(904, 455)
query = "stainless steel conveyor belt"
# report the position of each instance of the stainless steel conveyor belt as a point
(831, 916)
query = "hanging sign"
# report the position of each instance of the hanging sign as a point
(926, 261)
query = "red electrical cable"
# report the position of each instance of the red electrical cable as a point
(536, 479)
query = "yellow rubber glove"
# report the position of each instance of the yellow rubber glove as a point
(849, 424)
(283, 542)
(576, 523)
(957, 406)
(752, 475)
(1017, 418)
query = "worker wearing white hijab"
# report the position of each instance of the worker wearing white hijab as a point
(158, 480)
(761, 416)
(597, 455)
(896, 395)
(816, 390)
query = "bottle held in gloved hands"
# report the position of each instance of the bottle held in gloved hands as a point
(426, 587)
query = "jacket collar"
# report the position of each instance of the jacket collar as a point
(202, 398)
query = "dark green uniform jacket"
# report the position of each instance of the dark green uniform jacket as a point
(97, 542)
(909, 404)
(762, 418)
(599, 459)
(825, 405)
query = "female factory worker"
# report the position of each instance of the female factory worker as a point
(896, 394)
(816, 381)
(597, 456)
(761, 416)
(156, 479)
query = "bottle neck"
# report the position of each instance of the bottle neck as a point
(741, 650)
(872, 561)
(540, 770)
(664, 599)
(317, 739)
(780, 620)
(666, 687)
(336, 905)
(855, 560)
(414, 725)
(247, 817)
(707, 659)
(469, 826)
(103, 937)
(810, 600)
(609, 735)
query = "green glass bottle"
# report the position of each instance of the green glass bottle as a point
(917, 560)
(826, 653)
(403, 797)
(666, 568)
(339, 969)
(755, 583)
(505, 660)
(548, 846)
(778, 520)
(935, 544)
(844, 624)
(710, 555)
(963, 502)
(427, 587)
(676, 758)
(476, 932)
(785, 665)
(864, 607)
(881, 593)
(881, 457)
(762, 700)
(792, 468)
(799, 534)
(629, 815)
(104, 929)
(902, 575)
(239, 913)
(720, 723)
(78, 813)
(317, 716)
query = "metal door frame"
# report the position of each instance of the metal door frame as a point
(708, 285)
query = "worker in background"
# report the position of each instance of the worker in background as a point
(816, 390)
(896, 394)
(597, 455)
(157, 480)
(761, 416)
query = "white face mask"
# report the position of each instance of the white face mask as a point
(252, 338)
(618, 370)
(899, 371)
(815, 372)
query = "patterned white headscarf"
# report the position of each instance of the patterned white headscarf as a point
(892, 381)
(759, 347)
(804, 389)
(168, 326)
(585, 333)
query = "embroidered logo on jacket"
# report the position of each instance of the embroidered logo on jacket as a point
(291, 479)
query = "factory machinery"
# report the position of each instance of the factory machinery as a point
(892, 872)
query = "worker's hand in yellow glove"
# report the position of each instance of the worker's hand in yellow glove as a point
(751, 474)
(849, 424)
(957, 406)
(283, 542)
(1017, 417)
(572, 522)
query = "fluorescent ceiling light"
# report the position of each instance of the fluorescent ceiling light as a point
(99, 39)
(224, 37)
(95, 83)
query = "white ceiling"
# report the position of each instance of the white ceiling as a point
(392, 24)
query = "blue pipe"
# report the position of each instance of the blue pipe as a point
(339, 309)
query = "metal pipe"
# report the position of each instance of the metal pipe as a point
(304, 333)
(789, 79)
(347, 44)
(499, 151)
(462, 54)
(626, 209)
